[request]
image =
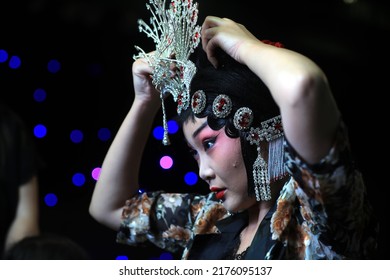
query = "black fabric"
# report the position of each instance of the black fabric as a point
(262, 241)
(222, 246)
(219, 246)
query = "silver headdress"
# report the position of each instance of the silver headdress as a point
(271, 130)
(176, 35)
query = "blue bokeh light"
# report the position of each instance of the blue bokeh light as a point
(14, 62)
(51, 199)
(166, 256)
(53, 66)
(191, 178)
(78, 179)
(39, 95)
(40, 131)
(104, 134)
(3, 56)
(122, 258)
(158, 132)
(76, 136)
(173, 126)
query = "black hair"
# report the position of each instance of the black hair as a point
(244, 88)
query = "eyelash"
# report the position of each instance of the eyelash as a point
(208, 141)
(205, 144)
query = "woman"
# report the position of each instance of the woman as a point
(19, 187)
(309, 203)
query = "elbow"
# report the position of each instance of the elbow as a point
(94, 212)
(97, 212)
(97, 207)
(306, 87)
(99, 216)
(110, 218)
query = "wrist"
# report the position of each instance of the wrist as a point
(149, 105)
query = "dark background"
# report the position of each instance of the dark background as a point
(94, 42)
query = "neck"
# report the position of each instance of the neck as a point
(256, 214)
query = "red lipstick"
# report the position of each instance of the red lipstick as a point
(219, 193)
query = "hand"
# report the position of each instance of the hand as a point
(227, 35)
(142, 81)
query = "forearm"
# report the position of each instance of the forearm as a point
(282, 70)
(120, 170)
(300, 88)
(26, 221)
(20, 228)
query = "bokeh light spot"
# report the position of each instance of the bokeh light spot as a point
(14, 62)
(78, 179)
(104, 134)
(191, 178)
(166, 256)
(51, 199)
(76, 136)
(40, 131)
(3, 56)
(166, 162)
(96, 173)
(122, 258)
(158, 132)
(39, 95)
(53, 66)
(173, 126)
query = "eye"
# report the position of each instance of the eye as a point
(209, 143)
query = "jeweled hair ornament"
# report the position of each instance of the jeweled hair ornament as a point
(176, 35)
(271, 131)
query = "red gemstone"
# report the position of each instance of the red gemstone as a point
(222, 102)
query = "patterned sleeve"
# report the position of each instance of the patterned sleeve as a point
(164, 219)
(333, 200)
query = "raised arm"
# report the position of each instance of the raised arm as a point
(26, 221)
(119, 175)
(299, 87)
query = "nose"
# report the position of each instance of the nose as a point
(205, 171)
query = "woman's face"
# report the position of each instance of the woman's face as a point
(220, 163)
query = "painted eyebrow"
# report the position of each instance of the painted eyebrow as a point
(199, 129)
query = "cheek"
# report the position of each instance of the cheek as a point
(232, 155)
(238, 162)
(238, 166)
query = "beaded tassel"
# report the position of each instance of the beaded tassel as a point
(166, 140)
(261, 178)
(276, 166)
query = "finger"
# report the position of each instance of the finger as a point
(210, 51)
(209, 29)
(142, 67)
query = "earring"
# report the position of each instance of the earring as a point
(261, 178)
(260, 168)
